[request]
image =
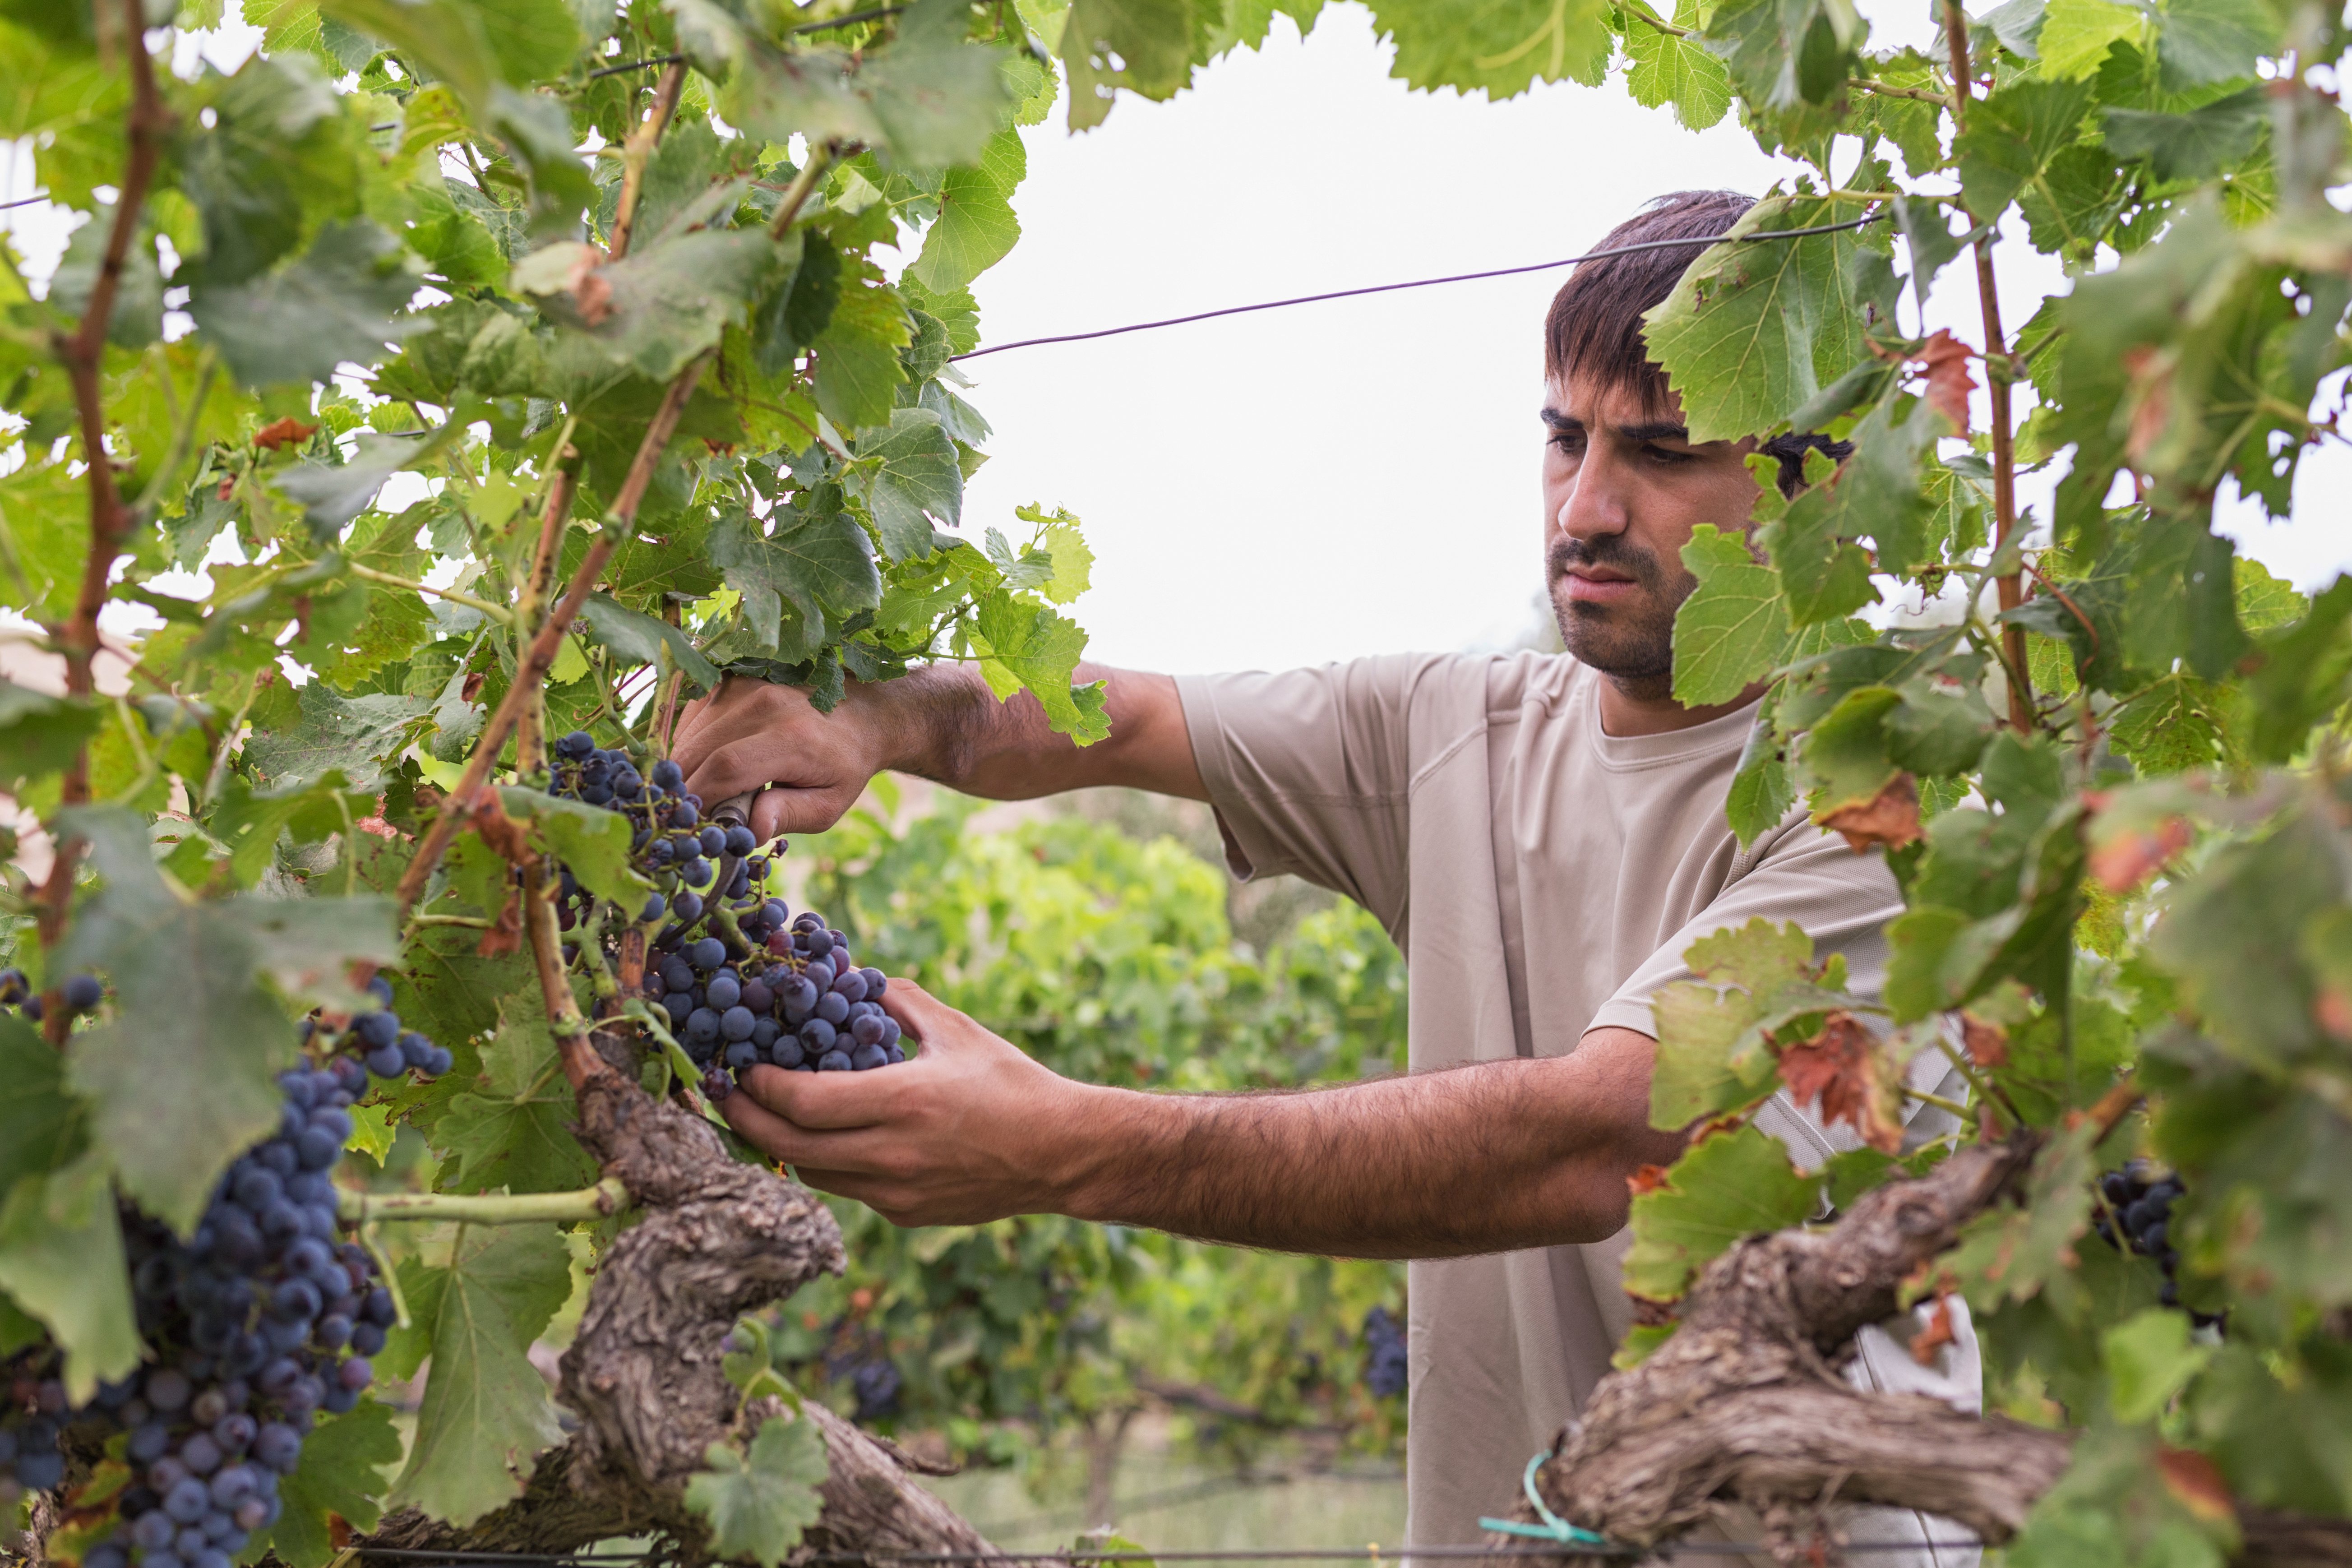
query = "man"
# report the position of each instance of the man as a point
(1545, 837)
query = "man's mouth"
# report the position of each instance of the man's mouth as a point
(1599, 586)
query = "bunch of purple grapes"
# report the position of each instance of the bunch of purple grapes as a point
(742, 980)
(1386, 1370)
(83, 992)
(260, 1322)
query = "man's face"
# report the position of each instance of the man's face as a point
(1624, 487)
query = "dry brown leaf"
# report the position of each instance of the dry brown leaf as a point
(287, 432)
(506, 836)
(1890, 817)
(1949, 381)
(2127, 859)
(505, 935)
(591, 295)
(1988, 1044)
(2333, 1012)
(2196, 1483)
(1841, 1067)
(1935, 1335)
(1647, 1179)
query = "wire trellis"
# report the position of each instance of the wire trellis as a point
(1695, 241)
(1370, 1552)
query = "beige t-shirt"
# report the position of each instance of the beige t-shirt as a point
(1544, 879)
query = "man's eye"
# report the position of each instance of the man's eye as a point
(1669, 457)
(1568, 441)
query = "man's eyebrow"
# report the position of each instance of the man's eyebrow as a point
(1656, 430)
(1559, 421)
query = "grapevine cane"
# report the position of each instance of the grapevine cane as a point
(1999, 367)
(110, 520)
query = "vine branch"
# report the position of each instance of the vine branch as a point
(606, 1198)
(82, 354)
(2007, 587)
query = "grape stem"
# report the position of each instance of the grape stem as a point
(604, 1199)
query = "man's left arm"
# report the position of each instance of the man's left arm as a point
(1485, 1158)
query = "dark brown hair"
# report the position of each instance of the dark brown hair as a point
(1594, 326)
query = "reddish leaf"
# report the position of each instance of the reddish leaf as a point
(1890, 817)
(505, 935)
(1935, 1335)
(2123, 862)
(1988, 1044)
(287, 432)
(1648, 1179)
(1841, 1066)
(2195, 1483)
(1949, 381)
(591, 295)
(2333, 1012)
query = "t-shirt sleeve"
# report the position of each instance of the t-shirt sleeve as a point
(1841, 899)
(1310, 771)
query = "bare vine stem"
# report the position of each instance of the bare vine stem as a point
(2008, 586)
(83, 353)
(605, 1198)
(638, 150)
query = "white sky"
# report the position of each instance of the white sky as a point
(1353, 477)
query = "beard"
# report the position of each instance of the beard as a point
(1632, 643)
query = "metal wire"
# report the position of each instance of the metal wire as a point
(1168, 1496)
(1431, 282)
(1371, 1550)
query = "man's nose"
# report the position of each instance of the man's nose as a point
(1597, 503)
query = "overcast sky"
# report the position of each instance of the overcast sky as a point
(1348, 478)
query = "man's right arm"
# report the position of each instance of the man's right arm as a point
(940, 723)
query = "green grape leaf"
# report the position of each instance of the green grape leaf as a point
(858, 368)
(2077, 34)
(1760, 793)
(307, 946)
(2011, 136)
(1727, 1185)
(1499, 46)
(658, 307)
(61, 1262)
(355, 736)
(2231, 934)
(137, 318)
(916, 480)
(516, 1131)
(261, 162)
(2191, 146)
(2150, 1359)
(813, 566)
(976, 226)
(1731, 631)
(41, 1126)
(1667, 69)
(1710, 1050)
(2203, 42)
(178, 1080)
(335, 302)
(928, 98)
(1753, 332)
(1060, 538)
(593, 842)
(250, 821)
(472, 45)
(1843, 761)
(340, 1476)
(759, 1502)
(1788, 57)
(1143, 46)
(640, 638)
(1024, 644)
(40, 734)
(485, 1416)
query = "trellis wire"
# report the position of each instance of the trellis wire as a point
(1170, 1496)
(1371, 1551)
(1698, 240)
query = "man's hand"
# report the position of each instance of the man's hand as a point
(1519, 1153)
(809, 767)
(969, 1129)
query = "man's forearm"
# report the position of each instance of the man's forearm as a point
(1487, 1158)
(943, 723)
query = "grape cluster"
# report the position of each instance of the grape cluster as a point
(83, 992)
(2141, 1204)
(261, 1320)
(1384, 1355)
(744, 981)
